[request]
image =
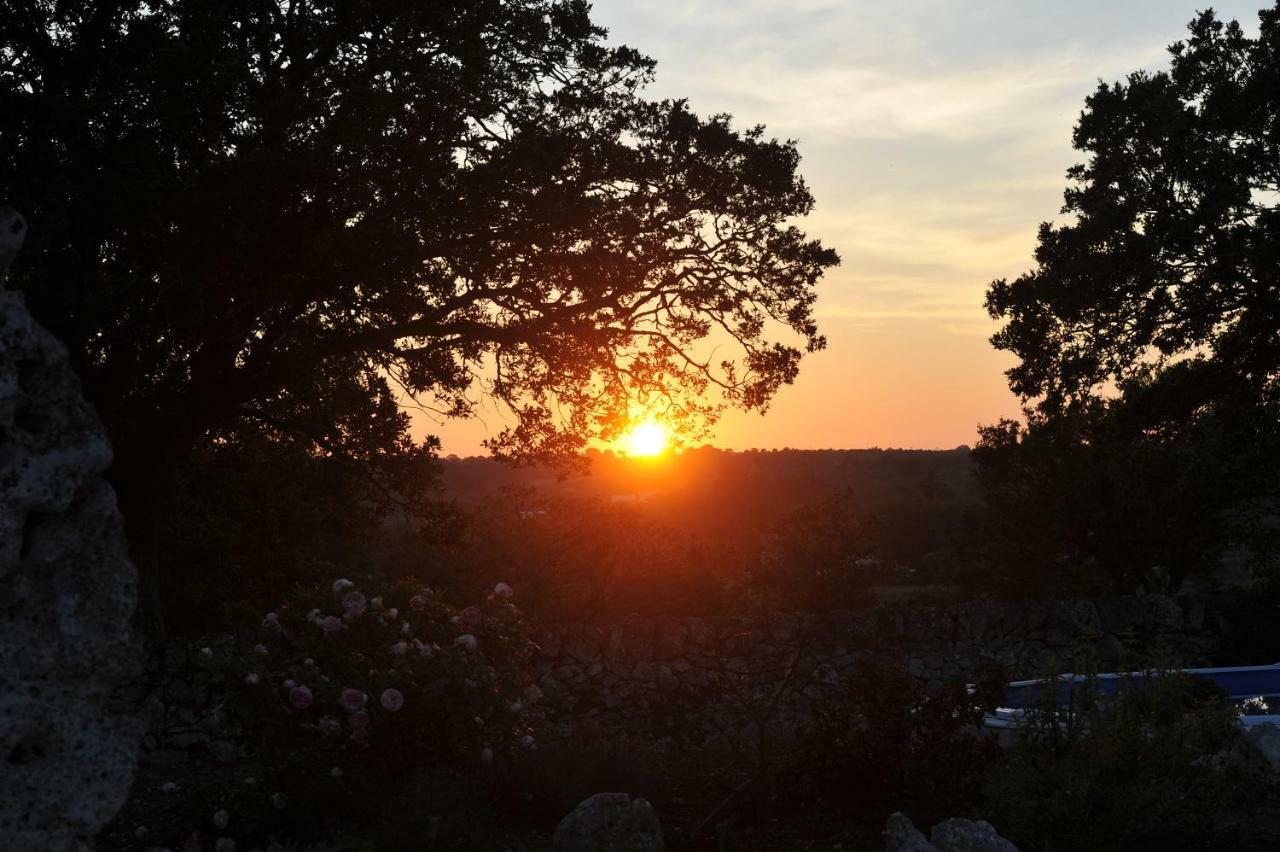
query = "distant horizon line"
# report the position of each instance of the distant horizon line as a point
(599, 451)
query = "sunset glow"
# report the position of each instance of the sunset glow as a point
(647, 438)
(926, 174)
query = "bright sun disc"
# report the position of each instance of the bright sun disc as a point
(646, 439)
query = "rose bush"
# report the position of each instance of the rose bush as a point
(355, 691)
(386, 675)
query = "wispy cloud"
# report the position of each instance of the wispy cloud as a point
(861, 102)
(935, 134)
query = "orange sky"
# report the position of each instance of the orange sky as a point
(934, 135)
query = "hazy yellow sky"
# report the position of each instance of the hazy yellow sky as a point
(934, 135)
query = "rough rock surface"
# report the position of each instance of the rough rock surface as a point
(67, 593)
(1266, 739)
(609, 822)
(619, 679)
(901, 835)
(952, 835)
(966, 835)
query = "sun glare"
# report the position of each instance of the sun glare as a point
(647, 438)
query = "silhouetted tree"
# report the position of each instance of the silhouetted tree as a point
(1121, 495)
(1148, 335)
(314, 491)
(1173, 250)
(460, 197)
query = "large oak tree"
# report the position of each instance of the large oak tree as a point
(235, 204)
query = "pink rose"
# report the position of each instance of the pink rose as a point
(359, 720)
(418, 602)
(300, 698)
(392, 700)
(471, 616)
(331, 624)
(354, 603)
(352, 700)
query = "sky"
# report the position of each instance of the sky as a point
(935, 135)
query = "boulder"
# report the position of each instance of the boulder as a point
(1265, 739)
(609, 822)
(967, 835)
(67, 595)
(901, 835)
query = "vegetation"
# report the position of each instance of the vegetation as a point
(374, 710)
(274, 219)
(703, 533)
(1147, 333)
(1152, 765)
(264, 230)
(886, 744)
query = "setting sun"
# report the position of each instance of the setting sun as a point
(647, 438)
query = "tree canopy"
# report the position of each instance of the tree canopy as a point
(1148, 334)
(1172, 247)
(462, 197)
(259, 225)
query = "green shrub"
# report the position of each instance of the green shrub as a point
(1143, 766)
(888, 743)
(373, 714)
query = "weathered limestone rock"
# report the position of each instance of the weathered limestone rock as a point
(952, 835)
(966, 835)
(609, 822)
(901, 835)
(1265, 738)
(67, 592)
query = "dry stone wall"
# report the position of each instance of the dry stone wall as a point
(720, 681)
(709, 679)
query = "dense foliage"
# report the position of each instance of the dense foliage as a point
(1156, 765)
(886, 744)
(371, 710)
(1172, 251)
(1148, 335)
(1113, 498)
(274, 217)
